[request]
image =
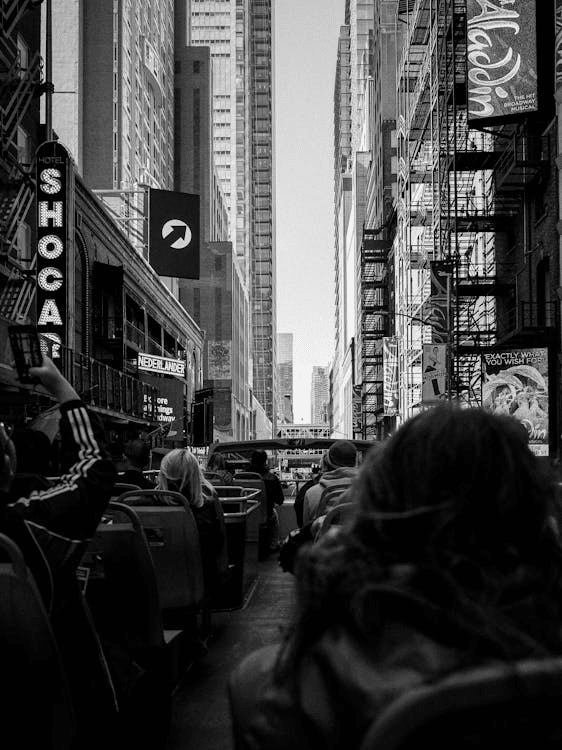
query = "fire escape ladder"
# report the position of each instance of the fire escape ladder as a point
(12, 11)
(374, 318)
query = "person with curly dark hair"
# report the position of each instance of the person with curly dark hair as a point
(451, 560)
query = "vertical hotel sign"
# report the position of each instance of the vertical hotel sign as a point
(52, 230)
(502, 59)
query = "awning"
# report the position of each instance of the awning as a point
(118, 418)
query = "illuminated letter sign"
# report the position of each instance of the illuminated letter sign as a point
(52, 225)
(502, 59)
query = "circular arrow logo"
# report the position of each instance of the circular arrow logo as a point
(179, 231)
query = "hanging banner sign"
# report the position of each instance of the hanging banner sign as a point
(501, 59)
(437, 310)
(52, 162)
(390, 375)
(434, 373)
(515, 383)
(357, 410)
(173, 237)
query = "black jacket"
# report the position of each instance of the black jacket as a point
(53, 526)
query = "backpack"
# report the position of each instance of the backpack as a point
(332, 495)
(292, 544)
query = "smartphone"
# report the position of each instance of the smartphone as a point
(27, 351)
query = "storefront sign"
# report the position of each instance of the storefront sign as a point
(161, 365)
(502, 59)
(52, 228)
(515, 383)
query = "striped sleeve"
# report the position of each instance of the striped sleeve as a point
(73, 507)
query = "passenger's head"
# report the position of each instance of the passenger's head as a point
(454, 519)
(136, 453)
(218, 462)
(341, 453)
(258, 461)
(455, 483)
(180, 472)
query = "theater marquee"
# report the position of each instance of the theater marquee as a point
(502, 60)
(52, 231)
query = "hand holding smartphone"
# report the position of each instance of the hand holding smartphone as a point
(27, 351)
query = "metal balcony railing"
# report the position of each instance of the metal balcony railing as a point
(524, 156)
(105, 387)
(134, 334)
(108, 328)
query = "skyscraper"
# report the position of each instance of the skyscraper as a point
(352, 158)
(113, 103)
(285, 377)
(319, 395)
(239, 34)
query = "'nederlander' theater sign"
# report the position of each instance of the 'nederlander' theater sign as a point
(161, 365)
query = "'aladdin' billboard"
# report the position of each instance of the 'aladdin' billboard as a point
(515, 382)
(502, 59)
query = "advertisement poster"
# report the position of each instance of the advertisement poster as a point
(501, 58)
(438, 308)
(390, 374)
(434, 373)
(169, 404)
(515, 382)
(219, 360)
(357, 410)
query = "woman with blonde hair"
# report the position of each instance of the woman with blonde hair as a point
(180, 472)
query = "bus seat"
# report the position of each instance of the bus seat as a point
(37, 709)
(503, 705)
(122, 591)
(120, 487)
(173, 540)
(253, 480)
(213, 478)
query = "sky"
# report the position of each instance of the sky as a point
(306, 34)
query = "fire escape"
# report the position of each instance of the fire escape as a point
(374, 296)
(20, 83)
(481, 177)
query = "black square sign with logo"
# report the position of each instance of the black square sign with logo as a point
(173, 233)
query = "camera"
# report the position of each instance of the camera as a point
(27, 351)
